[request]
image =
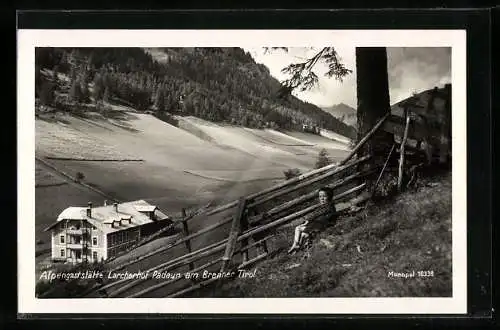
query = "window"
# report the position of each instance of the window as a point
(94, 255)
(62, 240)
(62, 252)
(94, 241)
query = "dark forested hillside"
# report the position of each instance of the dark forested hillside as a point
(217, 84)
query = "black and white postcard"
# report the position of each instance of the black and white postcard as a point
(323, 168)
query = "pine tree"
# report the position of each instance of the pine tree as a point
(160, 100)
(323, 159)
(98, 91)
(46, 93)
(106, 95)
(74, 91)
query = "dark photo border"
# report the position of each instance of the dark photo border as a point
(477, 23)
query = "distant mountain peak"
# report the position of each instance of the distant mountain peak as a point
(339, 109)
(343, 112)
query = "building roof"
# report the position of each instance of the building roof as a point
(418, 102)
(103, 216)
(145, 208)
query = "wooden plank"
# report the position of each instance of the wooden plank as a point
(180, 241)
(160, 285)
(163, 284)
(256, 243)
(416, 130)
(296, 215)
(303, 184)
(254, 260)
(383, 169)
(244, 226)
(272, 189)
(207, 282)
(185, 229)
(212, 248)
(283, 207)
(366, 138)
(233, 234)
(402, 153)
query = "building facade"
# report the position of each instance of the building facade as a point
(90, 234)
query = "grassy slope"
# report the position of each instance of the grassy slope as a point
(169, 176)
(410, 234)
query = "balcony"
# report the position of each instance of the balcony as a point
(74, 246)
(77, 231)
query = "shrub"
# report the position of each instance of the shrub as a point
(79, 176)
(291, 173)
(323, 159)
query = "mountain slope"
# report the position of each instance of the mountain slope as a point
(215, 84)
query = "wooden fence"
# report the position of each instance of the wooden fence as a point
(248, 224)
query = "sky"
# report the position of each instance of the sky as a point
(410, 69)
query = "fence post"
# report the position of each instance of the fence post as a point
(243, 227)
(233, 234)
(402, 150)
(185, 230)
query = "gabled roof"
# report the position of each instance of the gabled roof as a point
(418, 102)
(145, 208)
(103, 216)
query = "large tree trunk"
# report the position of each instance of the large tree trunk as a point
(373, 102)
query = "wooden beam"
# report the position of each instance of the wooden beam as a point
(163, 284)
(254, 260)
(363, 140)
(274, 188)
(296, 215)
(213, 262)
(244, 226)
(416, 131)
(180, 241)
(283, 207)
(402, 152)
(233, 234)
(207, 250)
(303, 184)
(185, 229)
(383, 169)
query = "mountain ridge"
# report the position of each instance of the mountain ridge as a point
(215, 84)
(342, 112)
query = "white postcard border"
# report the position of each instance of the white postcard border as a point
(29, 39)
